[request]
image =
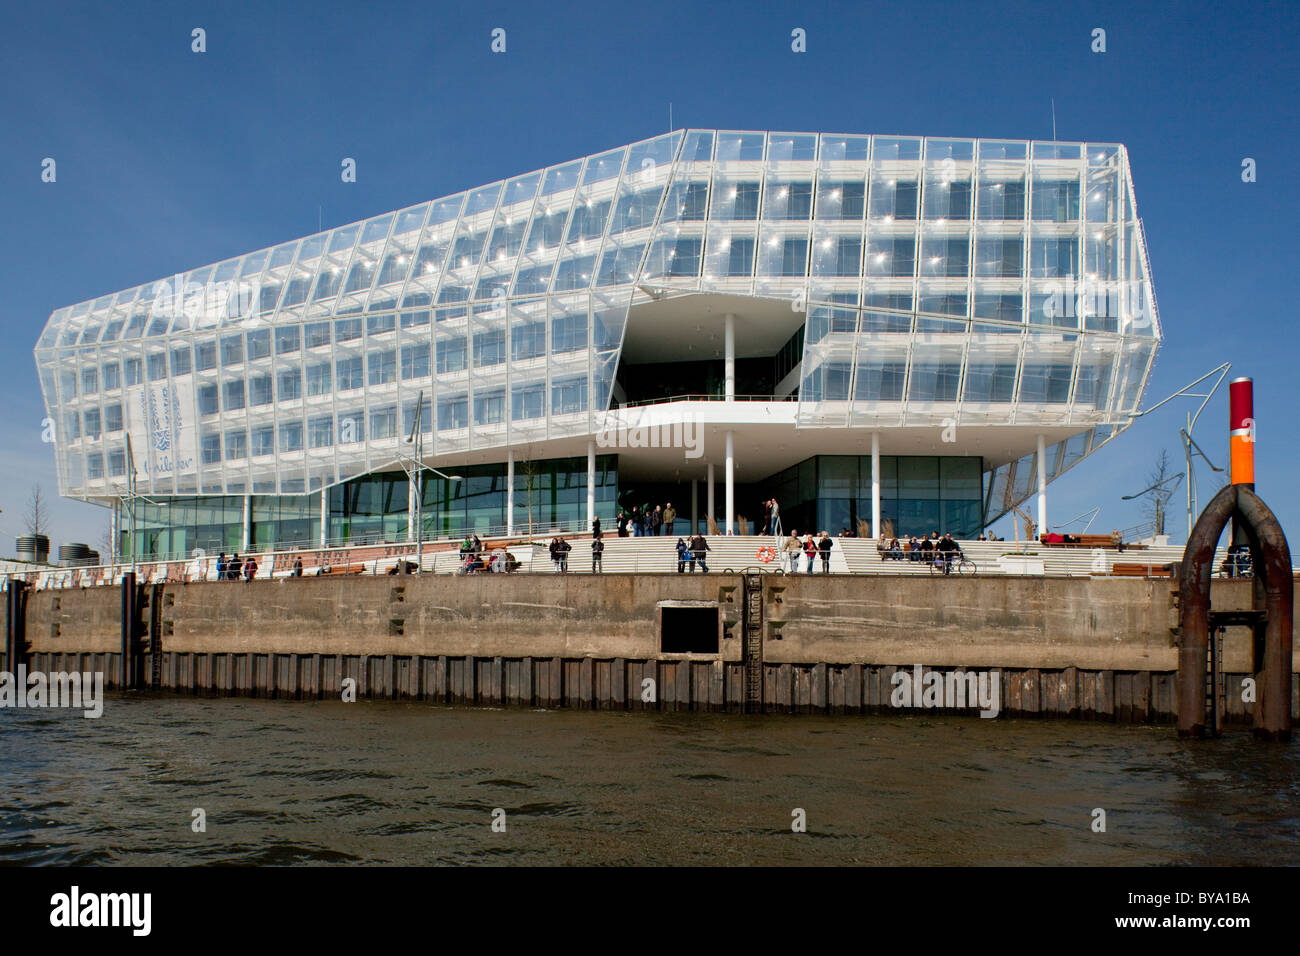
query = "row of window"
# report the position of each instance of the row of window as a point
(991, 382)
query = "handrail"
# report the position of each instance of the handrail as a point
(706, 397)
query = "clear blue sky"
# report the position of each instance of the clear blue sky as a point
(169, 159)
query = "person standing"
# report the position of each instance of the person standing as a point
(554, 549)
(250, 568)
(670, 516)
(563, 550)
(621, 525)
(297, 567)
(234, 568)
(656, 521)
(824, 549)
(681, 555)
(809, 553)
(793, 548)
(776, 517)
(699, 548)
(597, 549)
(595, 527)
(221, 566)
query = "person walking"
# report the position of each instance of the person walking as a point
(597, 549)
(824, 549)
(670, 516)
(793, 548)
(699, 548)
(554, 549)
(776, 517)
(681, 555)
(767, 517)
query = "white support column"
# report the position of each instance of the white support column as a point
(248, 521)
(731, 485)
(510, 491)
(875, 485)
(324, 516)
(711, 512)
(729, 359)
(695, 505)
(1042, 487)
(591, 483)
(410, 506)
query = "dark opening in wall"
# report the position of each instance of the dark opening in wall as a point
(688, 629)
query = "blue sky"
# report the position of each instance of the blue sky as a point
(168, 159)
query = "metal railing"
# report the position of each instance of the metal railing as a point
(706, 397)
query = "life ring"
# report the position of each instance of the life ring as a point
(766, 554)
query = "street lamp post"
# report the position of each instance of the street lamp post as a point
(415, 473)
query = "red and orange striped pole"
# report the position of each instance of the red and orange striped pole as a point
(1241, 441)
(1241, 431)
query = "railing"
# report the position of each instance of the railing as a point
(706, 397)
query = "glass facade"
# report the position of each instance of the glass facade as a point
(982, 282)
(918, 494)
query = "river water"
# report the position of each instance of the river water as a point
(328, 782)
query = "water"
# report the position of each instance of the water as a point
(299, 783)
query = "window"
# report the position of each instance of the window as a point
(892, 199)
(527, 401)
(848, 256)
(181, 361)
(236, 444)
(451, 355)
(383, 422)
(232, 350)
(347, 372)
(568, 333)
(290, 385)
(259, 390)
(569, 396)
(547, 231)
(588, 220)
(205, 356)
(263, 441)
(684, 257)
(740, 256)
(290, 436)
(317, 334)
(113, 417)
(453, 412)
(232, 395)
(211, 449)
(1054, 258)
(352, 427)
(112, 376)
(381, 366)
(794, 257)
(345, 330)
(999, 256)
(1056, 201)
(841, 200)
(89, 381)
(91, 418)
(207, 397)
(320, 432)
(788, 200)
(378, 324)
(947, 256)
(1001, 201)
(259, 344)
(157, 366)
(286, 339)
(489, 348)
(318, 378)
(133, 371)
(490, 408)
(690, 200)
(415, 361)
(527, 341)
(891, 256)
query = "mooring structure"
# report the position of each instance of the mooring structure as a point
(1256, 530)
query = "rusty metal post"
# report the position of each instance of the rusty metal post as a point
(129, 614)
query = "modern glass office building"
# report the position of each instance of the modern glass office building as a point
(916, 330)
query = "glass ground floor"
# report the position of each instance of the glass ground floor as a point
(918, 494)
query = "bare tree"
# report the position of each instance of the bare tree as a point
(37, 516)
(1157, 501)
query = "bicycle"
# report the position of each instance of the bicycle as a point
(946, 562)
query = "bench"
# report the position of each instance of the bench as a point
(1090, 541)
(1141, 570)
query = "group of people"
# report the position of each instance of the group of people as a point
(692, 552)
(932, 548)
(231, 569)
(809, 548)
(645, 520)
(475, 558)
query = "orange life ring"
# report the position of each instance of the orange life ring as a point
(766, 554)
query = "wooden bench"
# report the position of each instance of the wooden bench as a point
(1141, 570)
